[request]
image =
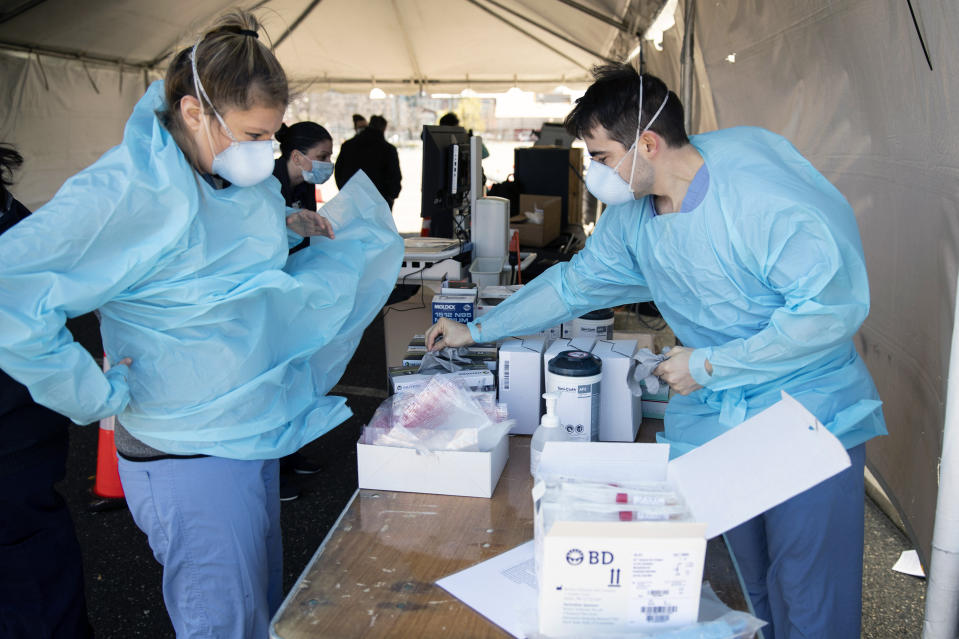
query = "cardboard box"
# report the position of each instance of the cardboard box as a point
(538, 235)
(521, 381)
(406, 379)
(620, 412)
(747, 470)
(468, 474)
(635, 576)
(456, 307)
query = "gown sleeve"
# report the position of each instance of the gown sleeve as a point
(821, 278)
(605, 273)
(94, 239)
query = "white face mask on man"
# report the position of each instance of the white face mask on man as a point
(241, 163)
(604, 182)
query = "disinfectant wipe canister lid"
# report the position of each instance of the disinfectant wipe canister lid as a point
(599, 314)
(575, 364)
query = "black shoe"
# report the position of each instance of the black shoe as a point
(300, 464)
(288, 490)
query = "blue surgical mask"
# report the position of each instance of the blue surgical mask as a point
(604, 182)
(241, 163)
(319, 173)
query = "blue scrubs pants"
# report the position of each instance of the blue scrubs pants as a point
(214, 525)
(802, 560)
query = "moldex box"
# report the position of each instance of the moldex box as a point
(456, 307)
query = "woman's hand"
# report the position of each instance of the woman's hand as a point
(309, 223)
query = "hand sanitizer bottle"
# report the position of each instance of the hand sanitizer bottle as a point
(547, 431)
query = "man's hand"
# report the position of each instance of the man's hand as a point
(675, 371)
(445, 333)
(309, 223)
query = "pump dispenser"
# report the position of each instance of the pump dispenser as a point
(547, 431)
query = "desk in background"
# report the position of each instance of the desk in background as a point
(374, 574)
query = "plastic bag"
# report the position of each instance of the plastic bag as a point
(443, 416)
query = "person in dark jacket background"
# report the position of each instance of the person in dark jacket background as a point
(369, 151)
(41, 572)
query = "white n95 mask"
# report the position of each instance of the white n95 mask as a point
(241, 163)
(603, 181)
(319, 173)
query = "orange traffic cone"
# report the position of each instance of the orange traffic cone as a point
(107, 490)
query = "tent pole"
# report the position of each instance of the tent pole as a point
(942, 589)
(686, 83)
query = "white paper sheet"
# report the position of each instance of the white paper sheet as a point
(605, 461)
(761, 463)
(502, 589)
(908, 563)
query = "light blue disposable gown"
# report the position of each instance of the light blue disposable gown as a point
(765, 278)
(233, 348)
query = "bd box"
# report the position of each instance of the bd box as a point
(456, 307)
(441, 472)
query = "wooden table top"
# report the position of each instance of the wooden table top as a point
(374, 574)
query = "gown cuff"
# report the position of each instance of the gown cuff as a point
(697, 366)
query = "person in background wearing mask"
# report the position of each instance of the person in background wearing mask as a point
(225, 346)
(370, 152)
(305, 152)
(754, 260)
(41, 570)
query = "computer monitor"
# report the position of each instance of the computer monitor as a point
(553, 135)
(446, 178)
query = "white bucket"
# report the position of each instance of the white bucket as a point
(575, 376)
(487, 271)
(490, 227)
(598, 324)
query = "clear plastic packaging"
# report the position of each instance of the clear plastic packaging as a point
(445, 415)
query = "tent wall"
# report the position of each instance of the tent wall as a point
(849, 84)
(59, 118)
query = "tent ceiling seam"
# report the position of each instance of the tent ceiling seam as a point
(69, 54)
(622, 26)
(6, 16)
(409, 44)
(526, 33)
(550, 31)
(296, 23)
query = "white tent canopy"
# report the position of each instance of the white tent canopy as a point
(400, 45)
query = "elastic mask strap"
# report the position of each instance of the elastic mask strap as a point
(201, 91)
(639, 120)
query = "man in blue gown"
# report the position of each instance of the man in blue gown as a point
(755, 261)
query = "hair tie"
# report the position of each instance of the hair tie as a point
(248, 32)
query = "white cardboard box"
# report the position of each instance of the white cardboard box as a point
(747, 470)
(478, 379)
(621, 577)
(620, 412)
(456, 307)
(445, 472)
(521, 381)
